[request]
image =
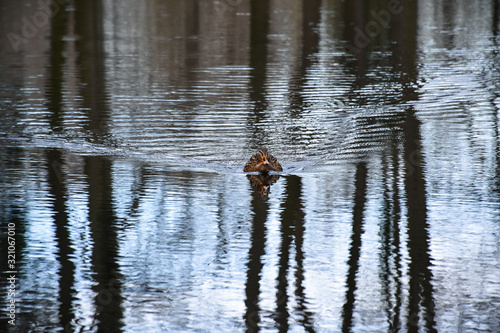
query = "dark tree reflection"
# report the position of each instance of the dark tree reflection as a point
(292, 229)
(259, 30)
(260, 208)
(421, 300)
(355, 248)
(61, 218)
(105, 251)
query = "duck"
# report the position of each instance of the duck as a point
(262, 162)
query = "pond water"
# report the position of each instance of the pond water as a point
(125, 127)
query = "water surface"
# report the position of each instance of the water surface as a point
(125, 128)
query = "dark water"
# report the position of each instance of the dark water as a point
(125, 127)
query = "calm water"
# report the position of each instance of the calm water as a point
(125, 127)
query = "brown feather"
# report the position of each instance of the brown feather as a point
(262, 162)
